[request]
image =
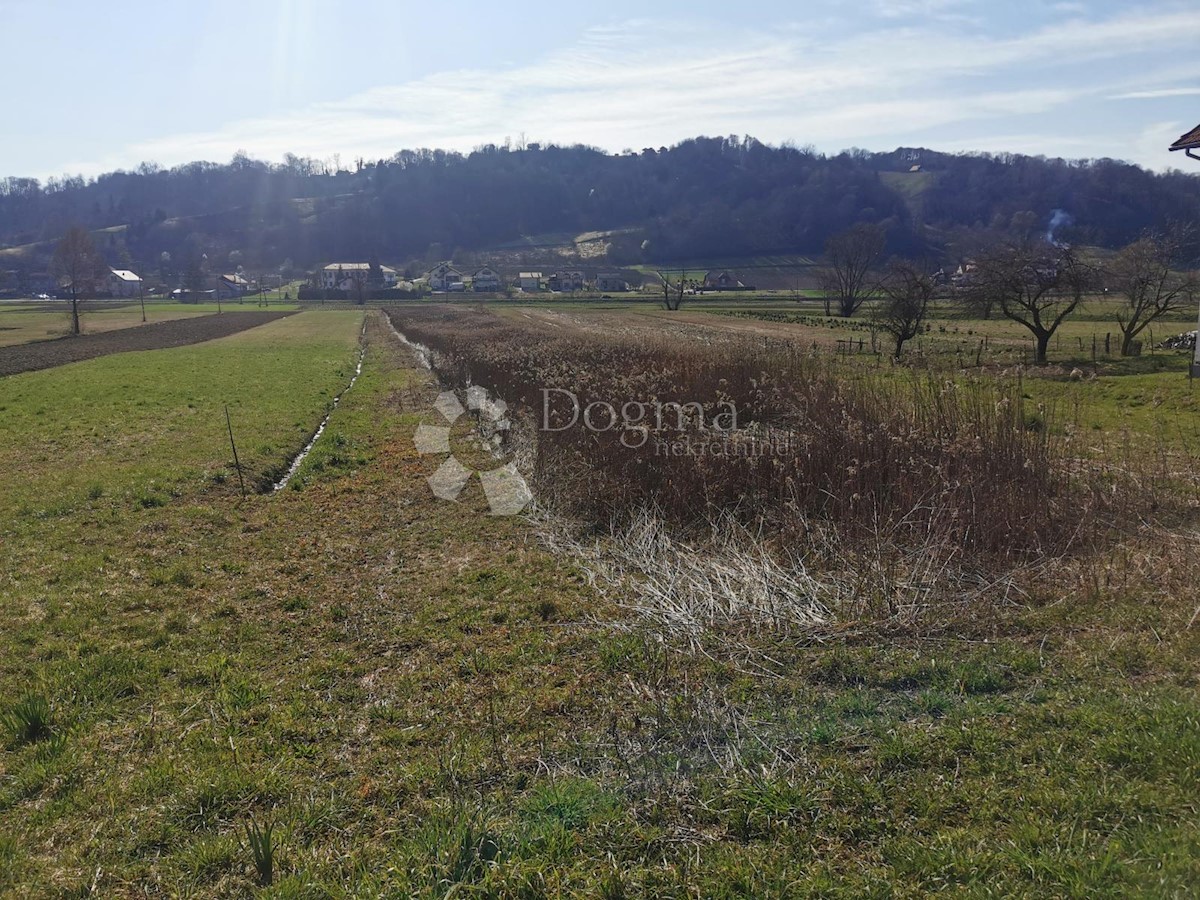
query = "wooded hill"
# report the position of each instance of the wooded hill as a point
(703, 198)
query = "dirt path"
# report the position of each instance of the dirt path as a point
(156, 336)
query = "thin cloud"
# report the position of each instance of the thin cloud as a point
(1158, 94)
(617, 88)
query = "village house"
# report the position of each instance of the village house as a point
(345, 276)
(566, 281)
(123, 283)
(233, 285)
(531, 282)
(443, 276)
(486, 280)
(611, 282)
(721, 281)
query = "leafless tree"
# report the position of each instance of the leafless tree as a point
(850, 256)
(907, 293)
(1035, 284)
(1145, 275)
(78, 267)
(672, 296)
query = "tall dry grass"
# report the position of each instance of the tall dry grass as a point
(910, 458)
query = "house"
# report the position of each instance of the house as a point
(346, 276)
(962, 276)
(1188, 143)
(566, 281)
(441, 276)
(233, 285)
(611, 282)
(486, 279)
(123, 283)
(721, 281)
(531, 282)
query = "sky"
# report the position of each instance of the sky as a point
(92, 87)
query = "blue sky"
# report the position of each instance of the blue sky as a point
(93, 87)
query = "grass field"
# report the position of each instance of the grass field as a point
(22, 323)
(420, 699)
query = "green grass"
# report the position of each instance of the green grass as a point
(48, 320)
(133, 430)
(422, 701)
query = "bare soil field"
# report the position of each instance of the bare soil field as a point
(155, 336)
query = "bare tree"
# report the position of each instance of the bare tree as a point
(1035, 284)
(672, 296)
(78, 267)
(907, 293)
(1145, 275)
(850, 256)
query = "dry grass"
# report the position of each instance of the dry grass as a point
(919, 458)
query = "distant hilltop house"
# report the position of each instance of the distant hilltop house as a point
(347, 276)
(611, 282)
(444, 277)
(232, 285)
(123, 283)
(722, 281)
(486, 279)
(566, 281)
(531, 282)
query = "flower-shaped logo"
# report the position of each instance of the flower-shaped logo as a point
(506, 491)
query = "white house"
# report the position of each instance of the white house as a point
(441, 276)
(531, 282)
(487, 279)
(344, 276)
(123, 283)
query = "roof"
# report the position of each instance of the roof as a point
(235, 279)
(125, 275)
(531, 274)
(1189, 141)
(354, 267)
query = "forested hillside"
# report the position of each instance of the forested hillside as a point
(704, 197)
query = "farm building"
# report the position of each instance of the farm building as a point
(531, 282)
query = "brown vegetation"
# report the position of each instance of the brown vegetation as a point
(865, 454)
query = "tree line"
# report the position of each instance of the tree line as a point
(702, 198)
(1036, 282)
